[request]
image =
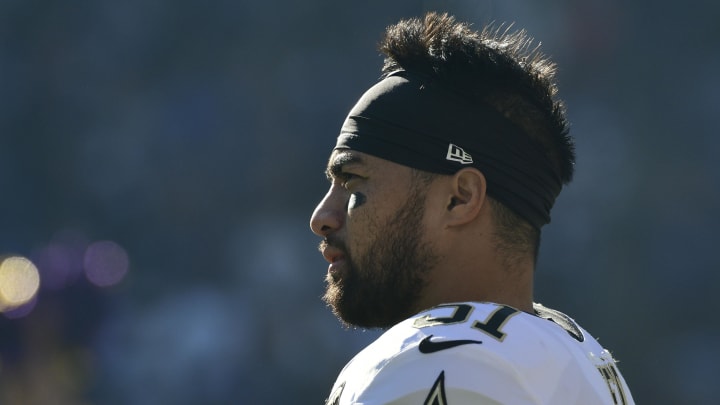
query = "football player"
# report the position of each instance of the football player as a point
(441, 179)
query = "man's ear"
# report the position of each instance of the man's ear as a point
(468, 196)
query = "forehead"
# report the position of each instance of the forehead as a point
(343, 157)
(347, 158)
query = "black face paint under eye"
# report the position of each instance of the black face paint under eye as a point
(356, 200)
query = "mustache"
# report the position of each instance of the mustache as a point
(331, 241)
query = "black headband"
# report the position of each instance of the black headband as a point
(411, 120)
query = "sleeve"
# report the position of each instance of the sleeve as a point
(455, 376)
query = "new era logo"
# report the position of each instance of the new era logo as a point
(457, 154)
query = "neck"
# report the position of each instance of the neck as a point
(483, 276)
(512, 290)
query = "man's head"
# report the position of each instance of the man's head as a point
(372, 221)
(461, 140)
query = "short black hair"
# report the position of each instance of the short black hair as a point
(499, 68)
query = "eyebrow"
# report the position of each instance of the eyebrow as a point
(339, 161)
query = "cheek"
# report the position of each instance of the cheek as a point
(356, 200)
(360, 222)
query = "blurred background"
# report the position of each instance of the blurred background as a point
(159, 162)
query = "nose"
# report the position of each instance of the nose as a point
(328, 216)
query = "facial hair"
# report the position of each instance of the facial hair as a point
(381, 287)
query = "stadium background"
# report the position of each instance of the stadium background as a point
(159, 162)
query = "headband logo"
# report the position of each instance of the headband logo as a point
(457, 154)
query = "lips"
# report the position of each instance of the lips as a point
(334, 255)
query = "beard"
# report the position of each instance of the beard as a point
(382, 286)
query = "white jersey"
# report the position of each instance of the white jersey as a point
(482, 353)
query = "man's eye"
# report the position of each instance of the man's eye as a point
(346, 179)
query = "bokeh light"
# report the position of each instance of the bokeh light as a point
(106, 263)
(19, 282)
(60, 262)
(22, 310)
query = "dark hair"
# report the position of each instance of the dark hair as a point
(498, 68)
